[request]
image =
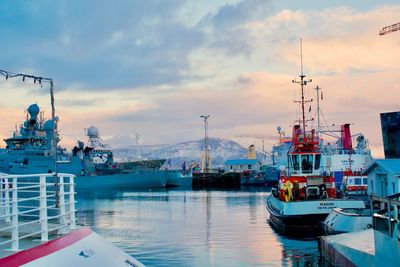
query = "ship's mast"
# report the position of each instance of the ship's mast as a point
(139, 155)
(302, 83)
(318, 109)
(206, 150)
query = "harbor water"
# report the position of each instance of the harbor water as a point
(193, 228)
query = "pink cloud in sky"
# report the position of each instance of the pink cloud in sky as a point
(251, 93)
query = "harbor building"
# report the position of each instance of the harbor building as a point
(241, 165)
(383, 176)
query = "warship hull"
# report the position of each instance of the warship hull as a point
(140, 179)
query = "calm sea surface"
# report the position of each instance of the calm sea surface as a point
(193, 228)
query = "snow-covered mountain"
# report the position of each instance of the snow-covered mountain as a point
(221, 150)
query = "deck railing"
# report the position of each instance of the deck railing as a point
(387, 220)
(30, 207)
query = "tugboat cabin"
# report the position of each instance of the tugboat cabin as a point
(304, 178)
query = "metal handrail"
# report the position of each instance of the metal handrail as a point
(35, 191)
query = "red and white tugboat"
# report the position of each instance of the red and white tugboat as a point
(306, 194)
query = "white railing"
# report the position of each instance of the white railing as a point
(32, 206)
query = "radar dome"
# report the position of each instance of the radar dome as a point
(92, 131)
(48, 126)
(33, 110)
(279, 128)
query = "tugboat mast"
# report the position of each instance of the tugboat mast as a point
(318, 109)
(302, 83)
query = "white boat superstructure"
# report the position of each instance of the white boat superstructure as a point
(38, 225)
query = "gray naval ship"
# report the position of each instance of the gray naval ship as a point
(30, 150)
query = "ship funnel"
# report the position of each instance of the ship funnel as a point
(251, 152)
(346, 137)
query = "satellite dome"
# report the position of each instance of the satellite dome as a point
(33, 110)
(279, 128)
(48, 126)
(92, 131)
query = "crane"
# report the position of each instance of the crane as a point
(389, 29)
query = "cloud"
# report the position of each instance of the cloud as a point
(225, 29)
(99, 45)
(142, 66)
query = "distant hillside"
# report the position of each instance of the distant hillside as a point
(221, 150)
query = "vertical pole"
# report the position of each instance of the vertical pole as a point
(318, 121)
(63, 221)
(206, 151)
(302, 76)
(54, 143)
(43, 209)
(206, 144)
(7, 199)
(14, 215)
(389, 217)
(72, 224)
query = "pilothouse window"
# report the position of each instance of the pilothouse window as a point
(295, 159)
(317, 161)
(306, 163)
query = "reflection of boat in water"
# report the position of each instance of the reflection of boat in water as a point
(25, 208)
(306, 194)
(31, 150)
(299, 252)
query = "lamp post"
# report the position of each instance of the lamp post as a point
(206, 165)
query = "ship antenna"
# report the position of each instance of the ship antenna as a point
(301, 56)
(139, 155)
(318, 109)
(302, 83)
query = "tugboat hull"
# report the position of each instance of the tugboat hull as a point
(303, 218)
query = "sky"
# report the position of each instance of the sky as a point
(153, 67)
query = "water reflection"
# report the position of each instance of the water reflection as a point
(193, 228)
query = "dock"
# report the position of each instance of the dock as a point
(216, 180)
(350, 249)
(379, 246)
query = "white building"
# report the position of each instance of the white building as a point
(241, 165)
(383, 177)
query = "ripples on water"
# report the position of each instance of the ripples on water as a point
(193, 228)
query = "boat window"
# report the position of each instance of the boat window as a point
(249, 167)
(306, 163)
(365, 181)
(317, 161)
(357, 181)
(295, 159)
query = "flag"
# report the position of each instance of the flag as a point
(322, 96)
(309, 110)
